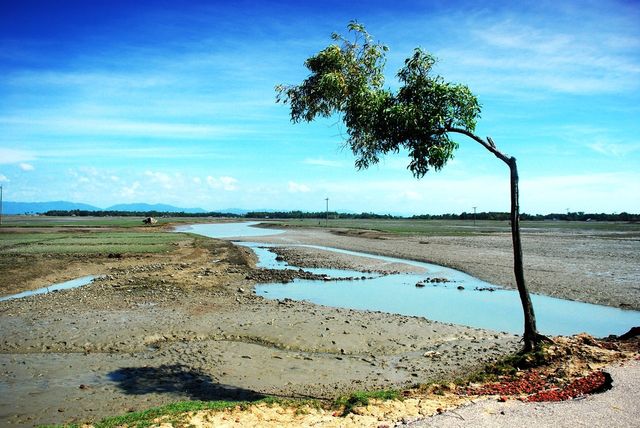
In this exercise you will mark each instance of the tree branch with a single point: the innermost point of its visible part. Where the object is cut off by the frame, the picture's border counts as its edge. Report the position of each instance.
(488, 144)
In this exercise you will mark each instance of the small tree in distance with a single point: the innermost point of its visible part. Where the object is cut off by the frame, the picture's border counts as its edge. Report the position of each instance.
(347, 79)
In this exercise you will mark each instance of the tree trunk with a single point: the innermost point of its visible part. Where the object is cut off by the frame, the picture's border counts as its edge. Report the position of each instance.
(531, 336)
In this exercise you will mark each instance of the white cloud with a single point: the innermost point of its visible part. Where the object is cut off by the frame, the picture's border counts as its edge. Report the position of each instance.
(514, 55)
(614, 149)
(102, 127)
(411, 195)
(223, 182)
(26, 166)
(605, 141)
(9, 156)
(130, 191)
(161, 178)
(297, 187)
(594, 192)
(323, 162)
(86, 79)
(3, 178)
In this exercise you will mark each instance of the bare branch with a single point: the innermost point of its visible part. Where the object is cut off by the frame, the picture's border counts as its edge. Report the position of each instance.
(489, 144)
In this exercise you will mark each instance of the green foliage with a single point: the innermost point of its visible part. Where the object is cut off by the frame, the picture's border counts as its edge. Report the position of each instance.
(361, 398)
(348, 80)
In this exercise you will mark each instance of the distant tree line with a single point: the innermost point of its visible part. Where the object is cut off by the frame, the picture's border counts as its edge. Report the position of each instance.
(570, 216)
(315, 215)
(500, 216)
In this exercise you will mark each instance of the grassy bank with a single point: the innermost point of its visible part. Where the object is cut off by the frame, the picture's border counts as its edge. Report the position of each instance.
(30, 254)
(20, 221)
(56, 243)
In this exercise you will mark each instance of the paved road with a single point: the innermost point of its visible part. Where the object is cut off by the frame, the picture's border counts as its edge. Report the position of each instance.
(618, 407)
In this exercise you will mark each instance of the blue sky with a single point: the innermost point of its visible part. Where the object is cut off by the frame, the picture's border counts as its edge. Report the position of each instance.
(107, 102)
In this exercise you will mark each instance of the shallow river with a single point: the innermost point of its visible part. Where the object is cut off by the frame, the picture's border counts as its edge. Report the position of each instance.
(463, 300)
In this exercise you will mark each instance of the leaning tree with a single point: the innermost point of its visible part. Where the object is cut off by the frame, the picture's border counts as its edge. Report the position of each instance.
(346, 78)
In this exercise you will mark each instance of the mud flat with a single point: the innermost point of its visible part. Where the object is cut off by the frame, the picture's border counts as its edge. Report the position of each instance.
(596, 267)
(186, 325)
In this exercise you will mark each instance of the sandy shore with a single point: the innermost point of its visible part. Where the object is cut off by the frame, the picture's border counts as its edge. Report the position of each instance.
(188, 326)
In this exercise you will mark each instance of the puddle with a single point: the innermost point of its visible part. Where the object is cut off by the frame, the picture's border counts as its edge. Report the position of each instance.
(267, 260)
(74, 283)
(228, 230)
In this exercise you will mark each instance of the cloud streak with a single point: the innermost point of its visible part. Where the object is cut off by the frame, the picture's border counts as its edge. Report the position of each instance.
(119, 127)
(294, 187)
(229, 184)
(323, 162)
(14, 156)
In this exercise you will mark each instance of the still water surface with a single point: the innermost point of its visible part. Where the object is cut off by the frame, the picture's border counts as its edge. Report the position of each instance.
(228, 230)
(496, 310)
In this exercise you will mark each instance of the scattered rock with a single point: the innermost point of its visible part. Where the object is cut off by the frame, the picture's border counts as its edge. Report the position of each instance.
(149, 220)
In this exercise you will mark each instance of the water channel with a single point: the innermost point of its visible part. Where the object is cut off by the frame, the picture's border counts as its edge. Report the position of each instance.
(74, 283)
(463, 300)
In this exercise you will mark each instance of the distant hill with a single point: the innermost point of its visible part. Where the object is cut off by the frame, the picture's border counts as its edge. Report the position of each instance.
(153, 207)
(14, 208)
(236, 211)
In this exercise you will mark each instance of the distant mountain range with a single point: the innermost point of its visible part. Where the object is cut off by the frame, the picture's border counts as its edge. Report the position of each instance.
(18, 208)
(153, 207)
(42, 207)
(13, 208)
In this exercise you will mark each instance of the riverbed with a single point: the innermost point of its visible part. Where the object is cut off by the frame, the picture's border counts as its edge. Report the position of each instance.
(186, 325)
(438, 293)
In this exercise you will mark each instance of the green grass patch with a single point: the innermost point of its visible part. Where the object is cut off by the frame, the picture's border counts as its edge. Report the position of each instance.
(146, 418)
(13, 221)
(175, 412)
(507, 366)
(94, 242)
(362, 398)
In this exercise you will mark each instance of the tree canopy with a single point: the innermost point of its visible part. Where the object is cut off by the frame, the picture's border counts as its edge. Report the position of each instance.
(347, 79)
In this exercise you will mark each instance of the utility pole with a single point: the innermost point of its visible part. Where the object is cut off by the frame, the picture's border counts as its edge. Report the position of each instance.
(326, 222)
(474, 215)
(0, 204)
